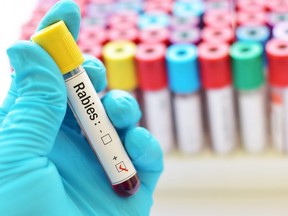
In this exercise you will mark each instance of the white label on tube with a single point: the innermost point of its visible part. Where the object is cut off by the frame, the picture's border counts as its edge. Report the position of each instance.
(99, 131)
(285, 126)
(222, 119)
(158, 116)
(252, 110)
(277, 119)
(189, 125)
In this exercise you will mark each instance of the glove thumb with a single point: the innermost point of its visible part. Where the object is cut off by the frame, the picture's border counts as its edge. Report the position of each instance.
(30, 127)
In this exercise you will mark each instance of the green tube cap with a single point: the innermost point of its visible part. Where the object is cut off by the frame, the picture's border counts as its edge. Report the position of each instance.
(247, 65)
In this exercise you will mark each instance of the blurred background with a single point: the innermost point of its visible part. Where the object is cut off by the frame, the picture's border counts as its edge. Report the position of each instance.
(211, 78)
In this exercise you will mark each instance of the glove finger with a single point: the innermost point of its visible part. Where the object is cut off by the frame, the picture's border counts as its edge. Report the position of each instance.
(9, 100)
(146, 155)
(66, 10)
(97, 74)
(31, 126)
(122, 109)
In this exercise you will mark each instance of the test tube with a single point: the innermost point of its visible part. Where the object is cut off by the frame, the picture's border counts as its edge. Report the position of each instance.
(118, 34)
(218, 19)
(97, 22)
(280, 31)
(152, 76)
(119, 61)
(251, 6)
(222, 5)
(91, 49)
(277, 53)
(128, 6)
(217, 35)
(153, 19)
(277, 5)
(96, 9)
(185, 84)
(157, 6)
(253, 33)
(124, 20)
(248, 76)
(195, 8)
(88, 109)
(273, 18)
(216, 79)
(185, 36)
(251, 18)
(184, 22)
(154, 34)
(93, 35)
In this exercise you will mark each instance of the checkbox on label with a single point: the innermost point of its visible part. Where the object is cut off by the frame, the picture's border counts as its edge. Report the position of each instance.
(121, 167)
(106, 139)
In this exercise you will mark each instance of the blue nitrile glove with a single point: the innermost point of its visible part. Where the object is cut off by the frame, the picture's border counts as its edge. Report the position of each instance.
(46, 165)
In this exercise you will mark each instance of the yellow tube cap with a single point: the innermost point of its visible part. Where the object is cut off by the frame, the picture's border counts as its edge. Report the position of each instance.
(60, 45)
(119, 62)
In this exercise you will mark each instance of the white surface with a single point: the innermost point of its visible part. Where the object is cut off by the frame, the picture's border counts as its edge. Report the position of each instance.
(221, 121)
(189, 122)
(253, 122)
(158, 117)
(13, 14)
(231, 185)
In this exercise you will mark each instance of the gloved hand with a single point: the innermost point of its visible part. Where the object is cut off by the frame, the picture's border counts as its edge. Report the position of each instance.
(46, 165)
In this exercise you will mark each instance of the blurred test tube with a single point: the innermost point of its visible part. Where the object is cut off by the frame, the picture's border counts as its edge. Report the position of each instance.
(152, 76)
(249, 81)
(119, 61)
(215, 72)
(185, 84)
(277, 53)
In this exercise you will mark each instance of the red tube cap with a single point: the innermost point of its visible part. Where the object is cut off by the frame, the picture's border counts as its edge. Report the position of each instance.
(253, 6)
(215, 35)
(158, 6)
(95, 35)
(91, 49)
(151, 66)
(277, 54)
(218, 19)
(277, 5)
(123, 20)
(123, 34)
(154, 34)
(250, 18)
(215, 67)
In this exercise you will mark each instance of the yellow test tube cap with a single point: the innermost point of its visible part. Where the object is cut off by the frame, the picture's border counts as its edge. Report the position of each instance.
(57, 40)
(119, 61)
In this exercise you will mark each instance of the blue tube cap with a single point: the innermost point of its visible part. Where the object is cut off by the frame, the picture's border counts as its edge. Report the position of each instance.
(195, 8)
(153, 19)
(182, 68)
(260, 34)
